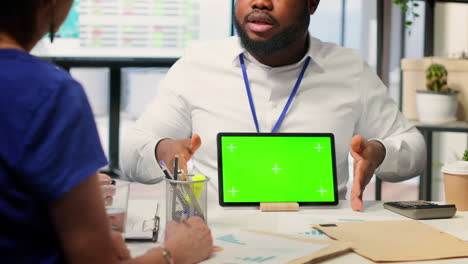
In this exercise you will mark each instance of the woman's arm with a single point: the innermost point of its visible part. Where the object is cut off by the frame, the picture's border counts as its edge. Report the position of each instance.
(83, 229)
(81, 223)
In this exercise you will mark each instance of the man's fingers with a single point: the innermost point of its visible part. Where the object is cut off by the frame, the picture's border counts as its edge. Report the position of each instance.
(356, 203)
(358, 187)
(357, 190)
(183, 164)
(357, 144)
(195, 143)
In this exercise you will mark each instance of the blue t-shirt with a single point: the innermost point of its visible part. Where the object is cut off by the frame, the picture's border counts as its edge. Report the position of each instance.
(48, 145)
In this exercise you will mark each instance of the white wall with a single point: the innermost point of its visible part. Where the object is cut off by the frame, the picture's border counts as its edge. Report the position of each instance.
(451, 29)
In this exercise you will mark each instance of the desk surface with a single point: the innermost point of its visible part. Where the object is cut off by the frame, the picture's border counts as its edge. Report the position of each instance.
(289, 223)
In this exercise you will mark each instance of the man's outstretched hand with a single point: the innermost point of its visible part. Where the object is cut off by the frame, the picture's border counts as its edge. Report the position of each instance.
(368, 155)
(167, 149)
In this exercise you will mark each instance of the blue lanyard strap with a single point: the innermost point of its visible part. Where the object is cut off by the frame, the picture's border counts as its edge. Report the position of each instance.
(288, 104)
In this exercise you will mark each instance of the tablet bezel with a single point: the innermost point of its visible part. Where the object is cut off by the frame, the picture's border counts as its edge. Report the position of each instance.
(249, 134)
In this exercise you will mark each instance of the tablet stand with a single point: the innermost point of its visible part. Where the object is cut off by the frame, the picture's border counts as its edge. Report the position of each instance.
(278, 207)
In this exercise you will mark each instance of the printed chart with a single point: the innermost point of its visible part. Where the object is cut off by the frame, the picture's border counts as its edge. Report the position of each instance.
(239, 247)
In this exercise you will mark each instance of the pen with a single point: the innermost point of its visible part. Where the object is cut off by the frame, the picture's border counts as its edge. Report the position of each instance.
(163, 166)
(176, 167)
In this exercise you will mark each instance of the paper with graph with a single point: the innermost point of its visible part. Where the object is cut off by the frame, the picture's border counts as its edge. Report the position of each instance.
(241, 247)
(302, 227)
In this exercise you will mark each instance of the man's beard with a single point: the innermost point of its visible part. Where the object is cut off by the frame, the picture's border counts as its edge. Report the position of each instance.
(278, 42)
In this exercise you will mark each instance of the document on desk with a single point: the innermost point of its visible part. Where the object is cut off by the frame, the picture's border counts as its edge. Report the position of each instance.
(247, 246)
(302, 227)
(395, 241)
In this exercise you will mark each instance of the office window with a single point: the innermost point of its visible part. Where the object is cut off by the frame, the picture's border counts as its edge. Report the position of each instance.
(326, 23)
(414, 35)
(95, 82)
(351, 24)
(139, 87)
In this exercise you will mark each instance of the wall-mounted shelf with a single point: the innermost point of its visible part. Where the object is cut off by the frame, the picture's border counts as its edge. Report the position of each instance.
(425, 181)
(425, 185)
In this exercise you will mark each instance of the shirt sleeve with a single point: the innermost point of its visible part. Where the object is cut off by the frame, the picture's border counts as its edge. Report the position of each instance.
(168, 116)
(381, 120)
(61, 146)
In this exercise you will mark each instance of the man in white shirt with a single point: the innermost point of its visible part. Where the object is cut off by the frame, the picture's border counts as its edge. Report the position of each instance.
(207, 91)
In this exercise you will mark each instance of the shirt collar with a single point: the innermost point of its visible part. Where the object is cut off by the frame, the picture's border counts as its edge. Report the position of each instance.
(313, 52)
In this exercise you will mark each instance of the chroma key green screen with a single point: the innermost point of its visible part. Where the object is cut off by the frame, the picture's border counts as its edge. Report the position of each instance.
(265, 167)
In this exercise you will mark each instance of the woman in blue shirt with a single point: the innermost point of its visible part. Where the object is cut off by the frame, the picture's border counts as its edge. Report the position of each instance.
(51, 210)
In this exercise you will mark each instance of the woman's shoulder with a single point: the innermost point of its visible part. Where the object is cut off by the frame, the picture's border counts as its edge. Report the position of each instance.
(27, 81)
(20, 67)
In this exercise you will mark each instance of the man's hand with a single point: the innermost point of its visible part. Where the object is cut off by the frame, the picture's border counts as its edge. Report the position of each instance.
(368, 155)
(184, 148)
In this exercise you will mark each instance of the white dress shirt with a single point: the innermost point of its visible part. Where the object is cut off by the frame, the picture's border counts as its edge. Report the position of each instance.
(204, 93)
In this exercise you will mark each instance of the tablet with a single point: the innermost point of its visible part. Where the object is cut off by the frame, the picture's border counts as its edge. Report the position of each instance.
(276, 167)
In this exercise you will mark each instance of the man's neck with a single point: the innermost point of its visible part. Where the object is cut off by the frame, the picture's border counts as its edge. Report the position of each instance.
(290, 55)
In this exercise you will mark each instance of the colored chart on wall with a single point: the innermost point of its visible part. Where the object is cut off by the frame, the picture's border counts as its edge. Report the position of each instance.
(137, 28)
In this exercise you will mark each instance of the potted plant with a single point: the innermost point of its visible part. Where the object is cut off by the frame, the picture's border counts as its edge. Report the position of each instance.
(437, 104)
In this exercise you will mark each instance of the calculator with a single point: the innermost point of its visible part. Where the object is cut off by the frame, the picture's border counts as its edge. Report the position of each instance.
(421, 209)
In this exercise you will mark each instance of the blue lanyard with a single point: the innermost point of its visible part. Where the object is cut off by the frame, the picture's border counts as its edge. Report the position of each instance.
(288, 104)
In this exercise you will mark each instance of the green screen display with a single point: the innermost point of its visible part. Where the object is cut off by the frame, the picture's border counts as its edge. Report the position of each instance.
(277, 169)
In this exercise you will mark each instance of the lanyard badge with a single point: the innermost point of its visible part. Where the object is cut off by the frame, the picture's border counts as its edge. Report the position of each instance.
(288, 104)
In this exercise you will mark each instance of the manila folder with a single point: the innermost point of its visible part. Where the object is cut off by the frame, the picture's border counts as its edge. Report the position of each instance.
(392, 241)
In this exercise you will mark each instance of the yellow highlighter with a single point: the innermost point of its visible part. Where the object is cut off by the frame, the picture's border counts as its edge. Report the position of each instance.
(193, 193)
(197, 187)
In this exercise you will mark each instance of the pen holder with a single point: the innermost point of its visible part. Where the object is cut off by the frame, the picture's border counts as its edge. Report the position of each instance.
(186, 198)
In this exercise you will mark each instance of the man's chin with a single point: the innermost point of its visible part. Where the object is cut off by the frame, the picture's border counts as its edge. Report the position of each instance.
(260, 36)
(259, 39)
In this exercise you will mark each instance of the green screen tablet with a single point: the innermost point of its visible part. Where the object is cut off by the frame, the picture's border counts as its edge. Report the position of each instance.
(276, 167)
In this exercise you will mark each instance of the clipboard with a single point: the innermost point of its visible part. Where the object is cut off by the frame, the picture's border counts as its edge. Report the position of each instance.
(395, 241)
(141, 230)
